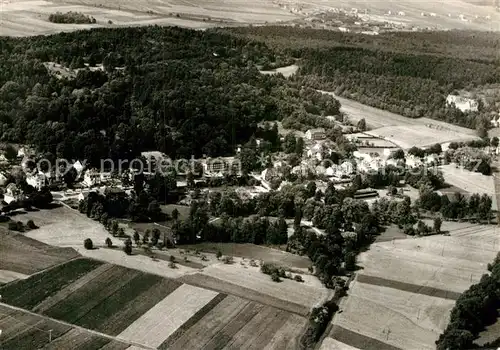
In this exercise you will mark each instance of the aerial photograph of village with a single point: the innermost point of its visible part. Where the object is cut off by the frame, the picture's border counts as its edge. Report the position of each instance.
(226, 174)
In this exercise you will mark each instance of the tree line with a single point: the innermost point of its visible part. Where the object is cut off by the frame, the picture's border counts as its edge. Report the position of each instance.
(475, 309)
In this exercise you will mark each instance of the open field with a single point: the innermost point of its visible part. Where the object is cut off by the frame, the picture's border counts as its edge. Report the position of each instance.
(252, 251)
(403, 294)
(332, 344)
(30, 17)
(20, 255)
(243, 292)
(64, 227)
(287, 71)
(406, 136)
(300, 296)
(23, 331)
(470, 182)
(7, 276)
(412, 319)
(402, 131)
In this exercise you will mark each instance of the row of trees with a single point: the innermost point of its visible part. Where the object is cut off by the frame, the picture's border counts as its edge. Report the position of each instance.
(475, 208)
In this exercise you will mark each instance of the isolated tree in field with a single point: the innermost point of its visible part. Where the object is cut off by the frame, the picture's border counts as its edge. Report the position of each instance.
(145, 237)
(88, 244)
(114, 228)
(175, 214)
(437, 224)
(108, 242)
(127, 248)
(275, 277)
(362, 125)
(31, 225)
(137, 238)
(155, 236)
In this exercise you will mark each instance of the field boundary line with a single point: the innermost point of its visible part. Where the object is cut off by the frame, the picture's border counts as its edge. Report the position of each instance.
(262, 299)
(107, 336)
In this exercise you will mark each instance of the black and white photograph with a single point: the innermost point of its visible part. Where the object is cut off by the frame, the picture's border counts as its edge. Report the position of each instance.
(254, 175)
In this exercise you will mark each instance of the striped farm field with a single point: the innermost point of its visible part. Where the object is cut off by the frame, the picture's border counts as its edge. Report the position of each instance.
(90, 294)
(149, 311)
(168, 315)
(23, 331)
(403, 295)
(29, 292)
(236, 323)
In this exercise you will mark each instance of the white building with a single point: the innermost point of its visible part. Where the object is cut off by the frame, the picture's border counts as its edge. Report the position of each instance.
(78, 166)
(106, 176)
(462, 103)
(431, 159)
(3, 179)
(38, 180)
(495, 123)
(316, 134)
(413, 162)
(92, 178)
(12, 194)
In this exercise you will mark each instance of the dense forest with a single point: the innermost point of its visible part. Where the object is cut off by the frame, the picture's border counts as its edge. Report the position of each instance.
(405, 73)
(187, 92)
(180, 91)
(474, 310)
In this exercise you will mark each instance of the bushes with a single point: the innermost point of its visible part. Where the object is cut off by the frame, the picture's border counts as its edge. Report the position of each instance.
(278, 272)
(31, 225)
(71, 17)
(318, 321)
(16, 226)
(228, 260)
(88, 244)
(298, 278)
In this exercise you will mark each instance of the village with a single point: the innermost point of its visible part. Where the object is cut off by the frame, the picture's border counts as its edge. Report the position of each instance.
(371, 151)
